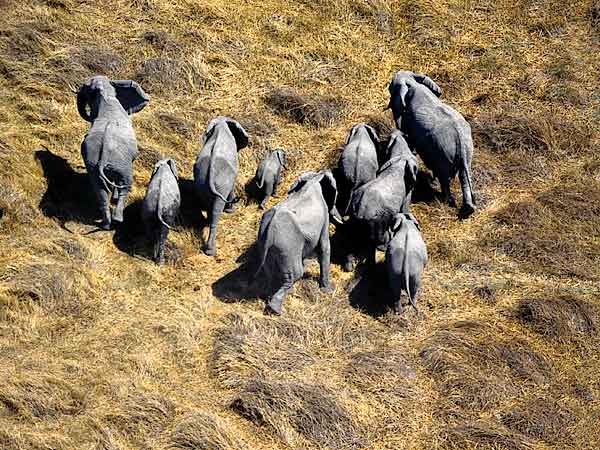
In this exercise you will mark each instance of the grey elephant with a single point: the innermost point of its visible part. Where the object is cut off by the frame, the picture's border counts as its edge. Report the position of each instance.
(405, 258)
(216, 169)
(358, 163)
(439, 133)
(161, 205)
(295, 229)
(374, 205)
(268, 175)
(110, 146)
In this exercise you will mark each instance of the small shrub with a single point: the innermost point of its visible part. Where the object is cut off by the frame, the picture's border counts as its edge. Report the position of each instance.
(203, 431)
(312, 411)
(176, 124)
(484, 436)
(562, 319)
(166, 75)
(160, 40)
(315, 110)
(148, 157)
(97, 60)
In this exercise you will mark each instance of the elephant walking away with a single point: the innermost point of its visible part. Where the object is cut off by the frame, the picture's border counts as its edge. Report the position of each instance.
(292, 231)
(268, 175)
(110, 146)
(439, 134)
(215, 171)
(161, 205)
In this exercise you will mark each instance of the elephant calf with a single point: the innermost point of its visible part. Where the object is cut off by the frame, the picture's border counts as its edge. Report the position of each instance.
(439, 133)
(216, 169)
(295, 229)
(268, 175)
(405, 258)
(110, 146)
(161, 205)
(374, 205)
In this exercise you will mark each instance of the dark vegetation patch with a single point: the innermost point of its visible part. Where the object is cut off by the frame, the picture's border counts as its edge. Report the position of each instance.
(476, 369)
(75, 66)
(148, 157)
(166, 75)
(203, 431)
(313, 110)
(552, 233)
(26, 41)
(383, 125)
(160, 40)
(312, 411)
(541, 419)
(377, 12)
(486, 293)
(97, 60)
(594, 15)
(563, 319)
(37, 395)
(176, 124)
(484, 436)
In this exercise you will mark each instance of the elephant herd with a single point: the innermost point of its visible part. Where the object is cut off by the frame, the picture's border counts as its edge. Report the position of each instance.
(368, 195)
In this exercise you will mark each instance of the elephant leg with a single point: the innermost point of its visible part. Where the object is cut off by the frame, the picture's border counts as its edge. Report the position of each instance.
(468, 206)
(104, 200)
(447, 196)
(407, 203)
(396, 294)
(275, 303)
(159, 252)
(230, 206)
(415, 284)
(349, 262)
(118, 211)
(264, 201)
(324, 253)
(213, 217)
(115, 196)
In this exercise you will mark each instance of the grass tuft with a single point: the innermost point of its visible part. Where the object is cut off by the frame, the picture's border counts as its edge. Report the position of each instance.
(311, 110)
(203, 431)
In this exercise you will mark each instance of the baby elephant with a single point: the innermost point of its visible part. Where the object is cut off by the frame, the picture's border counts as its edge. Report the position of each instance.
(216, 170)
(405, 258)
(161, 205)
(295, 229)
(268, 175)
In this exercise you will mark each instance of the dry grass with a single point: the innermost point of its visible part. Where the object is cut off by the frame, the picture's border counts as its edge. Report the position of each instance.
(100, 349)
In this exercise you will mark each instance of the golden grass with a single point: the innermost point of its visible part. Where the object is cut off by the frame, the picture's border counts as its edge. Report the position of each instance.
(101, 349)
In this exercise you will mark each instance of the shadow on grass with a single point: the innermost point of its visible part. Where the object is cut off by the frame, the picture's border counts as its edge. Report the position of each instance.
(69, 195)
(370, 293)
(239, 284)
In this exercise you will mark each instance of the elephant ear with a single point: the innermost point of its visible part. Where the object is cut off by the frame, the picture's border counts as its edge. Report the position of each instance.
(329, 188)
(131, 95)
(240, 135)
(282, 158)
(410, 175)
(173, 167)
(373, 135)
(351, 133)
(398, 220)
(301, 181)
(413, 219)
(426, 81)
(83, 100)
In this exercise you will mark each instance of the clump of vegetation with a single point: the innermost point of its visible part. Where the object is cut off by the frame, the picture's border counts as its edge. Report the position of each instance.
(203, 431)
(312, 110)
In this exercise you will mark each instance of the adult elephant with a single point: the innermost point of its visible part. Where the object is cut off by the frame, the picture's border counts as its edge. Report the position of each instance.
(295, 229)
(439, 134)
(215, 171)
(110, 146)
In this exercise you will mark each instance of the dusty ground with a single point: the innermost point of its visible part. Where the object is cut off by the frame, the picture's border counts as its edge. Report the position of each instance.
(101, 349)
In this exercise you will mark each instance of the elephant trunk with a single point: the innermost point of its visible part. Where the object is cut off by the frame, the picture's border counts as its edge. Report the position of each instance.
(82, 102)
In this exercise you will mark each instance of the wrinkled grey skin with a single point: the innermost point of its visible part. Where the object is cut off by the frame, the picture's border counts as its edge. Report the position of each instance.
(358, 163)
(374, 205)
(439, 133)
(268, 175)
(295, 229)
(216, 170)
(110, 147)
(161, 205)
(405, 258)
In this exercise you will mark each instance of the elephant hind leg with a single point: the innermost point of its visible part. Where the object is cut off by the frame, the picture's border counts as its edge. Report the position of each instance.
(159, 244)
(104, 200)
(275, 303)
(447, 195)
(468, 205)
(214, 215)
(117, 215)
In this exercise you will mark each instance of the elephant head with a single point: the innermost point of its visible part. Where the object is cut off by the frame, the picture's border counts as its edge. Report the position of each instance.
(399, 220)
(129, 94)
(238, 132)
(328, 190)
(170, 163)
(405, 80)
(281, 157)
(369, 129)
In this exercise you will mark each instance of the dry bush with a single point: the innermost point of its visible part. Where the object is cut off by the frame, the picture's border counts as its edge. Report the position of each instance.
(594, 15)
(563, 319)
(26, 41)
(175, 124)
(312, 411)
(484, 436)
(541, 419)
(15, 206)
(148, 157)
(312, 110)
(160, 40)
(203, 431)
(164, 76)
(475, 368)
(37, 395)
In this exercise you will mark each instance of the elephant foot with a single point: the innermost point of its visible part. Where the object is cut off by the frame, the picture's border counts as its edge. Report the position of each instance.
(328, 288)
(451, 201)
(105, 225)
(271, 311)
(210, 251)
(229, 209)
(262, 206)
(398, 309)
(348, 265)
(466, 211)
(117, 217)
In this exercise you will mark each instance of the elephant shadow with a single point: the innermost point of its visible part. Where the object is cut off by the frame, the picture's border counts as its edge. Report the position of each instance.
(424, 191)
(130, 236)
(69, 195)
(252, 191)
(370, 292)
(190, 210)
(237, 285)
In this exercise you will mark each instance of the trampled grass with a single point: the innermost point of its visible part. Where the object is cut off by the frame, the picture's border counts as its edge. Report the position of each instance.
(101, 349)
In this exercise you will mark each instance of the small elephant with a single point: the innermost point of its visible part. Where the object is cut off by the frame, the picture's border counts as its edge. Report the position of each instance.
(358, 163)
(295, 229)
(110, 146)
(439, 133)
(216, 169)
(268, 175)
(405, 258)
(374, 205)
(161, 205)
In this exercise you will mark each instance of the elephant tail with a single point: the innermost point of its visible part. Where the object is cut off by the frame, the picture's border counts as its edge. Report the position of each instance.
(108, 184)
(211, 182)
(407, 275)
(268, 218)
(260, 176)
(159, 205)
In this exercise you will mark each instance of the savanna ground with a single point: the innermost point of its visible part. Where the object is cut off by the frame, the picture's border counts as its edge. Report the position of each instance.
(101, 349)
